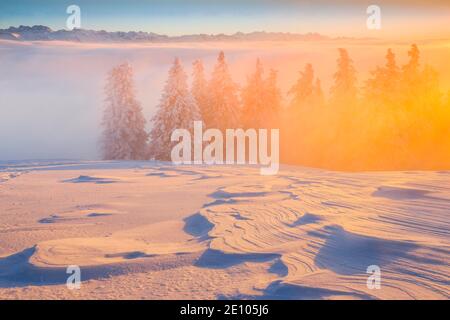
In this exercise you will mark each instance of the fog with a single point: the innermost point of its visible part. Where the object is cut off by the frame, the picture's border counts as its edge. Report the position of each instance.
(51, 94)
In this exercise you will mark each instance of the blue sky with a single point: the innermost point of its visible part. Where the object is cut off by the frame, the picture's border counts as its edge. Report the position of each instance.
(174, 17)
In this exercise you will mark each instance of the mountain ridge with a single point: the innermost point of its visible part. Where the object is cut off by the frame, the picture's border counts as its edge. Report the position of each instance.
(44, 33)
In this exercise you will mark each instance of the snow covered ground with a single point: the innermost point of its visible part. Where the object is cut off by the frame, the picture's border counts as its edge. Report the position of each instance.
(146, 230)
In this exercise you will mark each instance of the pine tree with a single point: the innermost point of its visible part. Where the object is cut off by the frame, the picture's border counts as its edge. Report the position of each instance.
(382, 88)
(303, 90)
(344, 135)
(410, 78)
(261, 99)
(301, 119)
(411, 69)
(344, 91)
(391, 66)
(124, 136)
(420, 86)
(223, 109)
(272, 98)
(200, 87)
(384, 108)
(176, 110)
(253, 103)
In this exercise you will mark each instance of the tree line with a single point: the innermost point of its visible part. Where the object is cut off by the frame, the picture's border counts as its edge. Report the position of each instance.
(397, 119)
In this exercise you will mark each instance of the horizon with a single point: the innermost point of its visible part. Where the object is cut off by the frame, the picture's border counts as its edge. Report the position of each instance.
(182, 35)
(426, 19)
(324, 36)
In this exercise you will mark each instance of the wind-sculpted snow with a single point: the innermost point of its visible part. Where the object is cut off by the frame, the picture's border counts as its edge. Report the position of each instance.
(8, 176)
(89, 179)
(227, 232)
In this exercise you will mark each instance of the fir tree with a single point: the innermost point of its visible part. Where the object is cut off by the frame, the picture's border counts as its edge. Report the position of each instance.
(124, 136)
(261, 99)
(223, 109)
(344, 91)
(253, 99)
(272, 98)
(411, 69)
(176, 110)
(382, 88)
(303, 90)
(391, 66)
(200, 87)
(307, 92)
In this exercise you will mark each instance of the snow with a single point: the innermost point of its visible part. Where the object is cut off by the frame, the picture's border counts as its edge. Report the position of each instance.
(177, 110)
(207, 232)
(124, 136)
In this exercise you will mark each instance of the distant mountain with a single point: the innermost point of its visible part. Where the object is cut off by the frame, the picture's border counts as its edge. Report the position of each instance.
(43, 33)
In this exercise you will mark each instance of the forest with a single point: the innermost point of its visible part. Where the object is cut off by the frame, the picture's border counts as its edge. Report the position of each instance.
(398, 119)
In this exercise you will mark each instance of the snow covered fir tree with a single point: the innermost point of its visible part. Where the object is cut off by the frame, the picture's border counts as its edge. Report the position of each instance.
(200, 87)
(224, 106)
(261, 99)
(176, 110)
(124, 136)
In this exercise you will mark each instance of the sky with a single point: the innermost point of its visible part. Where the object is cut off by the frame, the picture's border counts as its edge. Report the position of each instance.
(176, 17)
